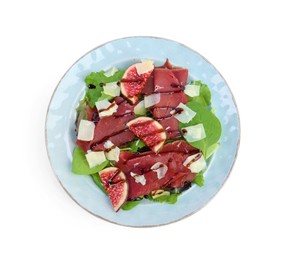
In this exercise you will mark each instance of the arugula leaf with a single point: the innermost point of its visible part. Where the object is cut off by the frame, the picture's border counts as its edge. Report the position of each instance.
(211, 124)
(105, 96)
(81, 166)
(97, 181)
(172, 199)
(96, 94)
(95, 78)
(204, 97)
(136, 145)
(131, 204)
(93, 95)
(199, 179)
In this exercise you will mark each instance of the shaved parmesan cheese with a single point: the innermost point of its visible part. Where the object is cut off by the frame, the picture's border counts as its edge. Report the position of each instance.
(112, 89)
(196, 163)
(106, 108)
(86, 130)
(161, 169)
(108, 144)
(188, 160)
(152, 99)
(158, 193)
(112, 152)
(138, 178)
(95, 158)
(144, 67)
(192, 90)
(194, 133)
(140, 109)
(110, 72)
(183, 113)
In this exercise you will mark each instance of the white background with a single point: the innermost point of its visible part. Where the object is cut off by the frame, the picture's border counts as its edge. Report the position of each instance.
(41, 39)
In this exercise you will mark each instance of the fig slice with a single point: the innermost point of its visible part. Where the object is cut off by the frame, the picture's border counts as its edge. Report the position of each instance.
(134, 80)
(149, 131)
(116, 186)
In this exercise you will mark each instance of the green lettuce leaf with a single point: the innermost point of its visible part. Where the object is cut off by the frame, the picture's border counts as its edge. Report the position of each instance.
(204, 97)
(131, 204)
(81, 166)
(199, 179)
(211, 124)
(172, 199)
(97, 181)
(211, 150)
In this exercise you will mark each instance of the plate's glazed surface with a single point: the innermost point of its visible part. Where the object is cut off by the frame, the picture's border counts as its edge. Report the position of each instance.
(60, 129)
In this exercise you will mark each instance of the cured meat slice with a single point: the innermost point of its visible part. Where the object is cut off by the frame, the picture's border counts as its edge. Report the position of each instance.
(181, 75)
(171, 99)
(123, 107)
(173, 155)
(165, 81)
(110, 125)
(119, 139)
(142, 166)
(169, 77)
(161, 112)
(179, 146)
(170, 124)
(149, 87)
(111, 128)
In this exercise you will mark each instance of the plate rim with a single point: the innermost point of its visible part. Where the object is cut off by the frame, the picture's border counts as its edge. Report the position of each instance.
(155, 225)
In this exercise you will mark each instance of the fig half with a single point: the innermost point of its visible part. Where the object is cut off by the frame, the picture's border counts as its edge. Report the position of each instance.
(116, 186)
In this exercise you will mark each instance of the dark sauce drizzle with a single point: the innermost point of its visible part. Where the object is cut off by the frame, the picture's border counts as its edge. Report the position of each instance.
(109, 107)
(91, 86)
(138, 80)
(111, 181)
(194, 160)
(177, 110)
(107, 137)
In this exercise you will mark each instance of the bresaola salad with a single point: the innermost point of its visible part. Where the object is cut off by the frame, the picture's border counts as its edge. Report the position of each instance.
(145, 133)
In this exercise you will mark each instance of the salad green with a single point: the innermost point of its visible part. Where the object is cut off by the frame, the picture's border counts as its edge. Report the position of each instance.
(131, 204)
(204, 97)
(97, 79)
(211, 125)
(98, 182)
(199, 179)
(170, 198)
(81, 166)
(136, 145)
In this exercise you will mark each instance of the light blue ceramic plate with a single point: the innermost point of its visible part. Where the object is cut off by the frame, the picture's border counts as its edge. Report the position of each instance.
(60, 131)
